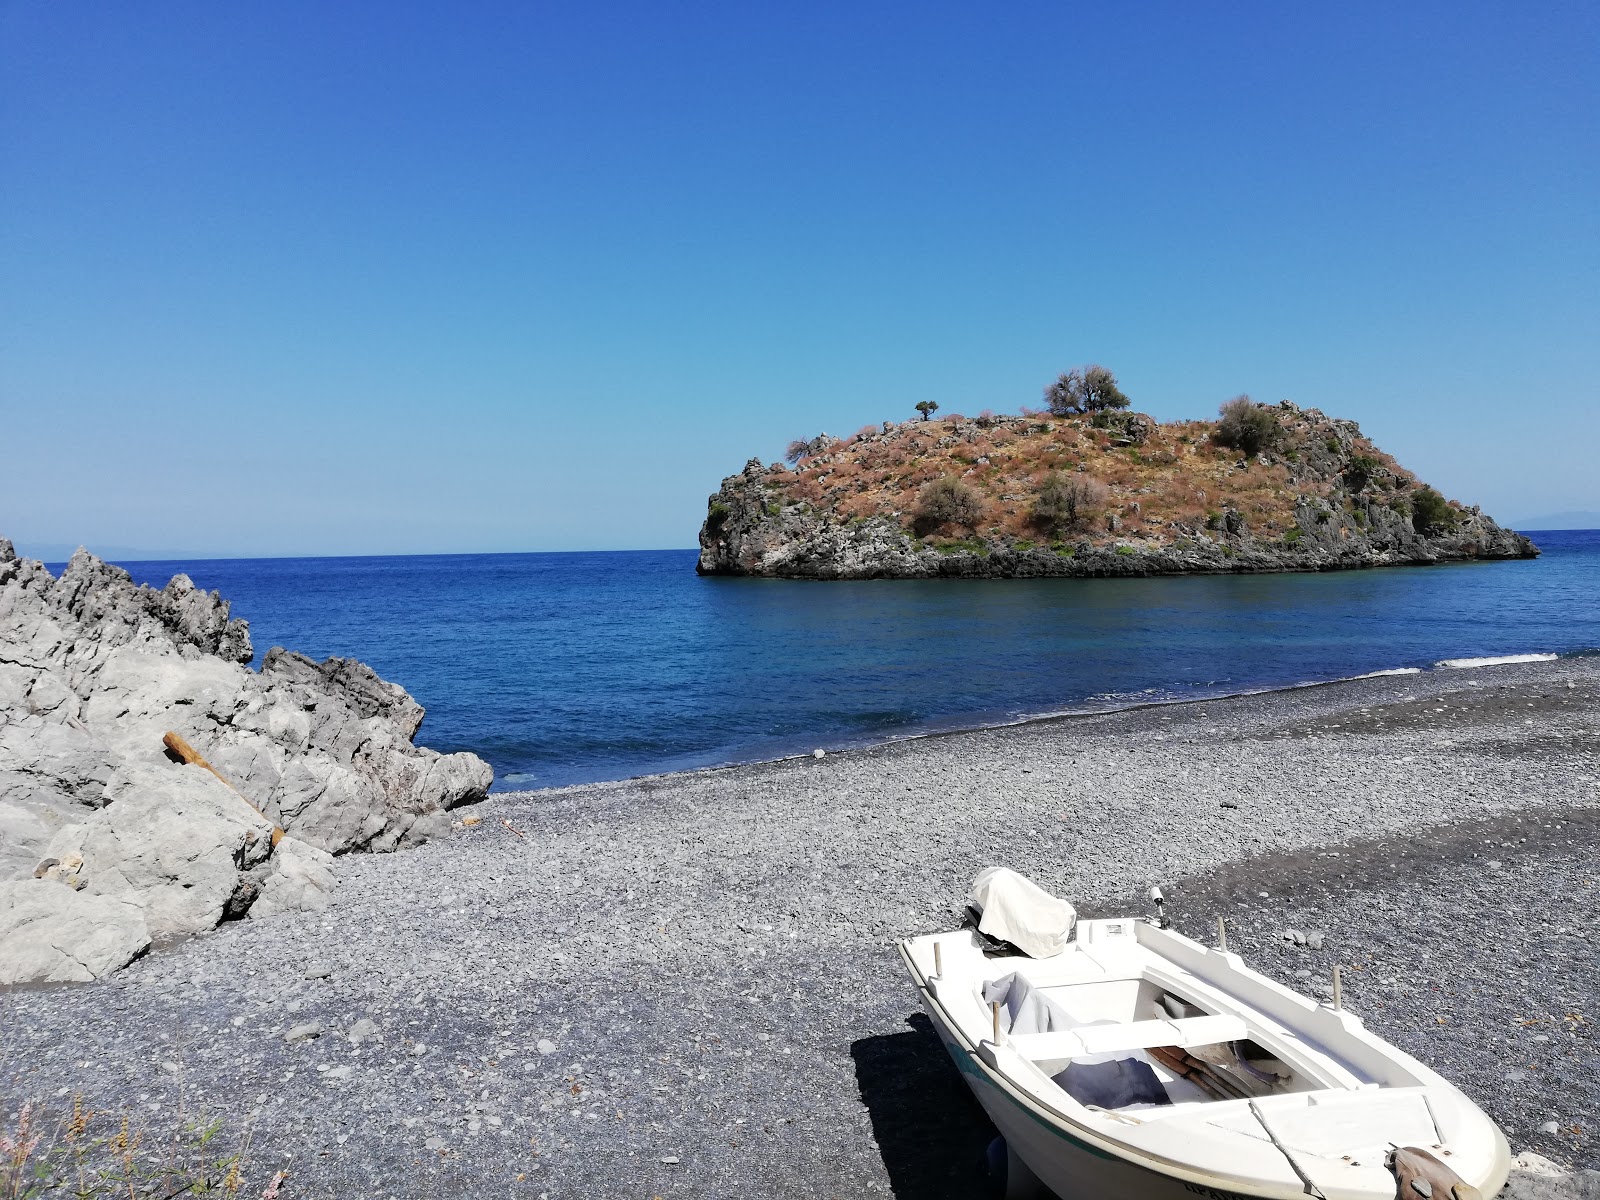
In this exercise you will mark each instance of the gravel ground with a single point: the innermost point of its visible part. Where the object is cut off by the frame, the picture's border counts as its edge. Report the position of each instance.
(686, 986)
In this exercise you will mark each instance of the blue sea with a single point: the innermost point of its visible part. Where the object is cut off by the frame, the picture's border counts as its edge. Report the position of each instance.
(571, 668)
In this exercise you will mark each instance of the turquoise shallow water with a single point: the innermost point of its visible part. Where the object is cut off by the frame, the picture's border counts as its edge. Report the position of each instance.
(567, 668)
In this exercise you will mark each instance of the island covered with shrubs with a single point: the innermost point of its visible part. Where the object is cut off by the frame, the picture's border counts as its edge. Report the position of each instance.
(1086, 486)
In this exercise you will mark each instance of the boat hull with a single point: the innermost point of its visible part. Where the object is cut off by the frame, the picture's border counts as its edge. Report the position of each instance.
(1363, 1092)
(1072, 1168)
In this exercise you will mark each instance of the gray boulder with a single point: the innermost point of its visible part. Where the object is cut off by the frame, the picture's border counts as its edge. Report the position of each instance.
(300, 879)
(96, 670)
(53, 933)
(173, 839)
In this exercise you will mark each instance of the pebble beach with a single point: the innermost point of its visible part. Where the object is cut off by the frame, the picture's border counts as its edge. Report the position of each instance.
(686, 985)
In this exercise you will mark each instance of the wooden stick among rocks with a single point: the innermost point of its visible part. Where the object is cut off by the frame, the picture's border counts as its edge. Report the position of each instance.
(187, 753)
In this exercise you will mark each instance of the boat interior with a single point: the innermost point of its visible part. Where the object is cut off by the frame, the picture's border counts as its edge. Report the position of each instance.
(1190, 1053)
(1122, 1030)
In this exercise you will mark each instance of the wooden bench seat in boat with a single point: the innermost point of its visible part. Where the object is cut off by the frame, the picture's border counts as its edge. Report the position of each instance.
(1129, 1035)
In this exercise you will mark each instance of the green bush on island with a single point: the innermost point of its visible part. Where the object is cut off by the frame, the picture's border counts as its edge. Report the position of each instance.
(1068, 501)
(1431, 513)
(1360, 471)
(947, 501)
(1248, 427)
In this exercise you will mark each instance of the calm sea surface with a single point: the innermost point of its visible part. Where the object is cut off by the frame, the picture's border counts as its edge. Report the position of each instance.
(567, 668)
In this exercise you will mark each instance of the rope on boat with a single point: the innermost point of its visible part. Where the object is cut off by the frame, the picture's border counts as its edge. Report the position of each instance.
(1311, 1188)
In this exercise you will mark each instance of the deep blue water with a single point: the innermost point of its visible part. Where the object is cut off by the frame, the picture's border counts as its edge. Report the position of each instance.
(563, 668)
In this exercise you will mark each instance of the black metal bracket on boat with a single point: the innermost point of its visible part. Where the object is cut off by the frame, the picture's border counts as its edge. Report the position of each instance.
(1160, 919)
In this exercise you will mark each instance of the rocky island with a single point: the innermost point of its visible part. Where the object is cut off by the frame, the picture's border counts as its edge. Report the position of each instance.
(152, 785)
(1087, 488)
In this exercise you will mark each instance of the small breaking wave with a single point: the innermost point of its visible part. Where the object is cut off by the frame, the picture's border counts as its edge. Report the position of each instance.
(1391, 671)
(1495, 660)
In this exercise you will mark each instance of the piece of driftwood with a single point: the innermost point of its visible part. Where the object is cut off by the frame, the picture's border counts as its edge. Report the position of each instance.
(513, 829)
(187, 753)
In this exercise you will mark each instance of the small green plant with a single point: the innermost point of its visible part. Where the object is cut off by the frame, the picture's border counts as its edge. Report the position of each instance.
(1024, 545)
(1293, 536)
(1062, 550)
(716, 515)
(83, 1164)
(1126, 550)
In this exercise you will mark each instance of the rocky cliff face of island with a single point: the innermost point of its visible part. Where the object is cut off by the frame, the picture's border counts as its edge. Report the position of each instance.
(1111, 493)
(111, 834)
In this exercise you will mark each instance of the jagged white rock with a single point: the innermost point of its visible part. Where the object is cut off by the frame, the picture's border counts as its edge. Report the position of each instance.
(94, 670)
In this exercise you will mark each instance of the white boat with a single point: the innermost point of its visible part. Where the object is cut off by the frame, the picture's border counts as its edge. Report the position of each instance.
(1262, 1091)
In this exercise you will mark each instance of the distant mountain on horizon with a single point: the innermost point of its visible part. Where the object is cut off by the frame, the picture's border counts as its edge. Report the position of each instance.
(1561, 520)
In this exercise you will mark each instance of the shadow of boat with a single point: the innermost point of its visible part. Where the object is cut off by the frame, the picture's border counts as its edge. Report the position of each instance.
(932, 1135)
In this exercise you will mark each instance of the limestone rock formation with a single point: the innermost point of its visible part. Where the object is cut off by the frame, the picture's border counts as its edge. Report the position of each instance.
(55, 934)
(107, 842)
(1174, 502)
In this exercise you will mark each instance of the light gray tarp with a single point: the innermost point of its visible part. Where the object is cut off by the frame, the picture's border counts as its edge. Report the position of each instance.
(1014, 909)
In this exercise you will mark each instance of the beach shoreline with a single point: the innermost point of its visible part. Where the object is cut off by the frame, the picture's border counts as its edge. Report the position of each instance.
(594, 980)
(961, 725)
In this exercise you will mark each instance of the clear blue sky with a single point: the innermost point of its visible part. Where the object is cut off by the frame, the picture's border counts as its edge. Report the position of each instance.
(380, 278)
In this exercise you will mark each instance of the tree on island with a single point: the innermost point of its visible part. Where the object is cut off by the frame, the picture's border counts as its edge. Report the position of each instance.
(927, 408)
(1247, 426)
(1084, 389)
(805, 448)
